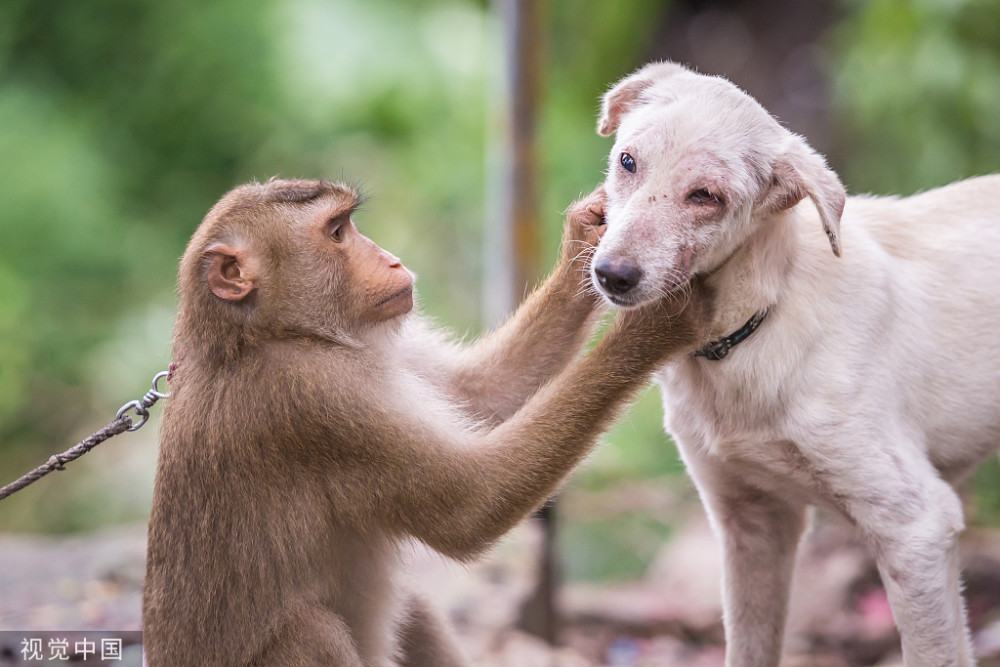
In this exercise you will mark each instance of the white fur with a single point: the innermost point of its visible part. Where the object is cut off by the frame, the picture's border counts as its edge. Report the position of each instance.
(872, 386)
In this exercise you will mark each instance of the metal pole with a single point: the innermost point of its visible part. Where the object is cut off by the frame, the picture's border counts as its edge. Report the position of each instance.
(513, 246)
(512, 236)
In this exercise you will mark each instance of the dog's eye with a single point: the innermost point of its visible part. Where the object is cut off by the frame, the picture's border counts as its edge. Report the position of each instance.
(628, 163)
(703, 196)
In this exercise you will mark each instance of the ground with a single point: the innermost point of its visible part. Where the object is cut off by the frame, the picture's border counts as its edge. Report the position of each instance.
(839, 616)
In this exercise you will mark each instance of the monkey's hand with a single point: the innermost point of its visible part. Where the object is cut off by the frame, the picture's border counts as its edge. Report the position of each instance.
(582, 232)
(677, 322)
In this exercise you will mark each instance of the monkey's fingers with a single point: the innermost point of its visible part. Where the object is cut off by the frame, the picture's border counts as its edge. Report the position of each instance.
(585, 218)
(597, 223)
(594, 208)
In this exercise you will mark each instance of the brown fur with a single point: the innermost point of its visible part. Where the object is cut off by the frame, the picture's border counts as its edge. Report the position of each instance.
(310, 433)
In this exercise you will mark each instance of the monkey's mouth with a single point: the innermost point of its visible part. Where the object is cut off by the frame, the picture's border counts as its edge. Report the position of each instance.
(406, 292)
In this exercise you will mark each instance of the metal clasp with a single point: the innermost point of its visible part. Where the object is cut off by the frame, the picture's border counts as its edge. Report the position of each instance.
(141, 406)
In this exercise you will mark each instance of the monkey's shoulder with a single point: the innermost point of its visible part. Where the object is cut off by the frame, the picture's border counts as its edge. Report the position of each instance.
(295, 402)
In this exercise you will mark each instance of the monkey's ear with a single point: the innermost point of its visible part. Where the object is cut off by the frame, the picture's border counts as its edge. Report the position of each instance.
(228, 272)
(625, 95)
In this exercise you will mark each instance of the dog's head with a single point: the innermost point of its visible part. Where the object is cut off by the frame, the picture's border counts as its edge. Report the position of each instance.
(697, 164)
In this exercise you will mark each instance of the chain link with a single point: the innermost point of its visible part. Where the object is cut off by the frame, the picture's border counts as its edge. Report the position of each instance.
(123, 422)
(142, 405)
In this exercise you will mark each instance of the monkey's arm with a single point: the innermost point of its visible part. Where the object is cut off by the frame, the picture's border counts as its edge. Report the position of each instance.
(496, 375)
(459, 490)
(427, 640)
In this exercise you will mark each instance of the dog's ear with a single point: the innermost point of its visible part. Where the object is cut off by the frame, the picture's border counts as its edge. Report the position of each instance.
(626, 94)
(801, 172)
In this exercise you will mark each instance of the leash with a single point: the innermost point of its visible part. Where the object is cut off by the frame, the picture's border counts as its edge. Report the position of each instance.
(121, 423)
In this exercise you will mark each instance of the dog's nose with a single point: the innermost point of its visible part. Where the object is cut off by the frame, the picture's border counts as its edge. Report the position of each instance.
(617, 276)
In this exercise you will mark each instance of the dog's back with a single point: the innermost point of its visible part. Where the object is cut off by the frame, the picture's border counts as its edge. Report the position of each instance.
(942, 252)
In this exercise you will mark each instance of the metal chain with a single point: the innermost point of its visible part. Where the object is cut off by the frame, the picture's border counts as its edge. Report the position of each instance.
(122, 422)
(143, 405)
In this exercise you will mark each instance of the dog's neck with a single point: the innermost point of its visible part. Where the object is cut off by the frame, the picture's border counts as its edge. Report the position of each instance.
(752, 278)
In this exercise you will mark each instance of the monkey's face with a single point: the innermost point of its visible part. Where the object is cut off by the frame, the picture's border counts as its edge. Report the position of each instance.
(285, 256)
(377, 283)
(364, 283)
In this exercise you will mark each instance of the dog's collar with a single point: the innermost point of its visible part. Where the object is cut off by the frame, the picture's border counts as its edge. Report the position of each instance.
(719, 348)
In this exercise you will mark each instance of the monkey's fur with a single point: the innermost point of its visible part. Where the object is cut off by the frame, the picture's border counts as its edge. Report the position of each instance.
(314, 426)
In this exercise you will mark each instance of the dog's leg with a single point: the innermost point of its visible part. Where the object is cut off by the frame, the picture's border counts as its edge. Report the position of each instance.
(759, 534)
(912, 519)
(917, 557)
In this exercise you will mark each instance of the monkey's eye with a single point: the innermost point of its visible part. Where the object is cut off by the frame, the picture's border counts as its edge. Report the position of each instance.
(337, 231)
(628, 163)
(702, 196)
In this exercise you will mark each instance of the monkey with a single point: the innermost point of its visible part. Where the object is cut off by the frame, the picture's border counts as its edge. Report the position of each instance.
(317, 425)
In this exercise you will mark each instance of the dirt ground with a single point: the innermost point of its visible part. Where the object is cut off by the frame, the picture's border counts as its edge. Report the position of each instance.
(671, 617)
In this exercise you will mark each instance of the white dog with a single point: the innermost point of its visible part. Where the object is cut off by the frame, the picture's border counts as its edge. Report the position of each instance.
(868, 384)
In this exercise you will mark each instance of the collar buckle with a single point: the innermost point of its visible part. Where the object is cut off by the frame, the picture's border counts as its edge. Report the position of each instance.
(717, 350)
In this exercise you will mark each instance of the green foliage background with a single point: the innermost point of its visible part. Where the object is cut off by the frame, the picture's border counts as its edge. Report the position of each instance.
(122, 121)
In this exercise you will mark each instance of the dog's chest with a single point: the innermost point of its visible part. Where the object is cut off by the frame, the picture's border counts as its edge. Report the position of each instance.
(735, 421)
(720, 408)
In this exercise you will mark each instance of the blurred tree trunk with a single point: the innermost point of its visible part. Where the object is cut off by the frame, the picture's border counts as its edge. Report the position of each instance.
(774, 50)
(512, 234)
(513, 244)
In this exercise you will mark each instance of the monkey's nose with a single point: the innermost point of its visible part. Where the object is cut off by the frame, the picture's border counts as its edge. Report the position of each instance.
(617, 276)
